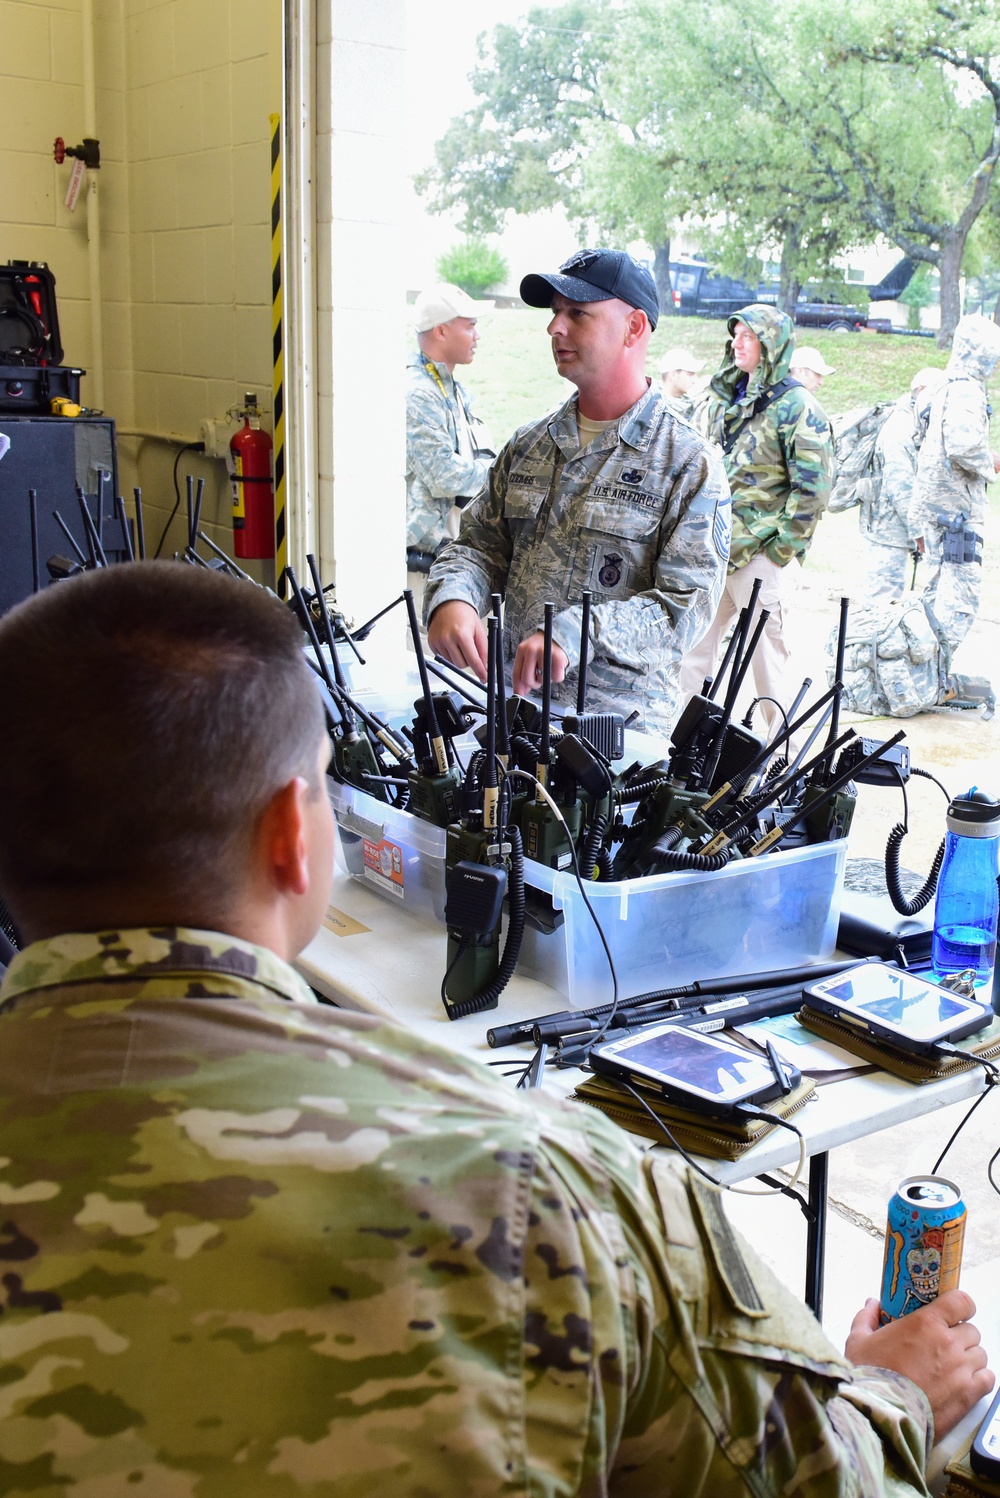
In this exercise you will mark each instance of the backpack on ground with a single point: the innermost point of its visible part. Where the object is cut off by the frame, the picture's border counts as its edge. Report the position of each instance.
(897, 664)
(857, 475)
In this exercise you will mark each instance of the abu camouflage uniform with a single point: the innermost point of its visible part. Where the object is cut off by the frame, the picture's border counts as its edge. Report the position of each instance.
(259, 1247)
(780, 465)
(953, 469)
(884, 518)
(640, 515)
(893, 661)
(442, 440)
(680, 405)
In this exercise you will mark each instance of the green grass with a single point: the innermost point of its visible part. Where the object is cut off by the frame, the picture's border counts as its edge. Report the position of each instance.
(514, 380)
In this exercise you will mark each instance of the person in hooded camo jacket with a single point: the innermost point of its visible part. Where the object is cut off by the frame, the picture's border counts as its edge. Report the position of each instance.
(778, 453)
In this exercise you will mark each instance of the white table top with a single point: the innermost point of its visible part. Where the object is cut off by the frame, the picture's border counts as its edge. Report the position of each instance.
(374, 957)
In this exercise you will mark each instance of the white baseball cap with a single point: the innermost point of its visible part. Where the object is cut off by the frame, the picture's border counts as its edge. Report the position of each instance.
(808, 357)
(443, 302)
(680, 358)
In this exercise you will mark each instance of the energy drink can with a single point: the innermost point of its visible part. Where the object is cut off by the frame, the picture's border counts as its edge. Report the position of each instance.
(923, 1245)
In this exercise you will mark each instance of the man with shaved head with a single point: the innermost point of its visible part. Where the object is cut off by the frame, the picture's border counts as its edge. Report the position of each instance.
(609, 493)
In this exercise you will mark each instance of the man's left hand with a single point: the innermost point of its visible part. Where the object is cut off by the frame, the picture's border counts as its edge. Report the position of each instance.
(527, 674)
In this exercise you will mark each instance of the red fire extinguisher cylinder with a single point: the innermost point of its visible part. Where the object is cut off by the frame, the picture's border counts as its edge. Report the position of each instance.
(253, 494)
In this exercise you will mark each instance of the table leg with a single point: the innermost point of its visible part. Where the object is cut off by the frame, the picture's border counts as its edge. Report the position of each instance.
(816, 1233)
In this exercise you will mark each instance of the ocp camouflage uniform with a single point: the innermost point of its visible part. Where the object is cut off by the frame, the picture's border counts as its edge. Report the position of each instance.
(780, 466)
(259, 1247)
(640, 515)
(953, 469)
(442, 437)
(885, 505)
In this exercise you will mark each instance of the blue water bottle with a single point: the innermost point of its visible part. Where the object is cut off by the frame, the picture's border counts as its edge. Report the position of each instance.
(965, 911)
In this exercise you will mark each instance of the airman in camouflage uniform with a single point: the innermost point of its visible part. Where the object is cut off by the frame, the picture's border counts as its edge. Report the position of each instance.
(955, 464)
(448, 450)
(257, 1245)
(679, 371)
(884, 516)
(778, 453)
(254, 1245)
(638, 512)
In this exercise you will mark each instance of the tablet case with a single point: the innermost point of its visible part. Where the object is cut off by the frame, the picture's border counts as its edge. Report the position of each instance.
(720, 1139)
(913, 1068)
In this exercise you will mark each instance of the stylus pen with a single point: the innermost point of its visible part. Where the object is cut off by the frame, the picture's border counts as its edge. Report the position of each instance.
(711, 1014)
(672, 999)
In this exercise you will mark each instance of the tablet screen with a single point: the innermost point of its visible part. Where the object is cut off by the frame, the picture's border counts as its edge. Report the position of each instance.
(695, 1063)
(900, 1000)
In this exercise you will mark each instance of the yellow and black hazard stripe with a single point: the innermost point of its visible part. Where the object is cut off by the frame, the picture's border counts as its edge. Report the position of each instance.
(278, 358)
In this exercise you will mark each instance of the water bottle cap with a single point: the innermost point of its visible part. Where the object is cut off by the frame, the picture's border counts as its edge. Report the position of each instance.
(974, 815)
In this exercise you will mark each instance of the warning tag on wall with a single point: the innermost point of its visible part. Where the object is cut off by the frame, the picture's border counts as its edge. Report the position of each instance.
(384, 865)
(73, 187)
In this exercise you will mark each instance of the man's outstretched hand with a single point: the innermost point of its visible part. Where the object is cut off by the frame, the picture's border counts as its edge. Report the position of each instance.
(937, 1347)
(526, 678)
(456, 632)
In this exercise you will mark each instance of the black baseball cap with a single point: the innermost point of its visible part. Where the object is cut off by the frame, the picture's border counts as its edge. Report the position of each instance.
(596, 276)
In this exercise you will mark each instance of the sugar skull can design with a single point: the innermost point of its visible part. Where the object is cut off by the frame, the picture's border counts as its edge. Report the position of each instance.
(923, 1244)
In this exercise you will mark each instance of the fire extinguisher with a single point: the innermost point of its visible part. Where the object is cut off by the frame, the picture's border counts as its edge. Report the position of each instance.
(250, 478)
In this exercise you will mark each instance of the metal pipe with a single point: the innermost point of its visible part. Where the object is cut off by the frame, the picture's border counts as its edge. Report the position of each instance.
(96, 370)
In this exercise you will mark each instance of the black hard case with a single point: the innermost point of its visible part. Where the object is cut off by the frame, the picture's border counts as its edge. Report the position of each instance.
(31, 369)
(29, 322)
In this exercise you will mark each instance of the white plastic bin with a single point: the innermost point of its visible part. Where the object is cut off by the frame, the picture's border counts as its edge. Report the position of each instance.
(775, 911)
(398, 855)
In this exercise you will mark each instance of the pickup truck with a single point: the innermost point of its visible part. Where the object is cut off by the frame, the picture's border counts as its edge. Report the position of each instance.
(699, 292)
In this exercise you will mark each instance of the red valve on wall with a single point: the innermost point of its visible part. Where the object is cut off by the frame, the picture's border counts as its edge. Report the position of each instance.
(250, 476)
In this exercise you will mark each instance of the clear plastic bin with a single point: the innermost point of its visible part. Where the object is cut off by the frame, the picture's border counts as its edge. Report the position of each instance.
(779, 910)
(398, 855)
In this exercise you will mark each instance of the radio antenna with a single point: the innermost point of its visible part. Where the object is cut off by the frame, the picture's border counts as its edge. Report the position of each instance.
(140, 529)
(544, 741)
(502, 726)
(581, 683)
(33, 517)
(438, 748)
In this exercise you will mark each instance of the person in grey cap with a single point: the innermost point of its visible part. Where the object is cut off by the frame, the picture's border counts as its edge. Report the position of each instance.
(448, 449)
(608, 493)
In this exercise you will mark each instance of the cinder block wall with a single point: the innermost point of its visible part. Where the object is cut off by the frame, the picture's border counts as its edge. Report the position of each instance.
(41, 96)
(202, 80)
(184, 92)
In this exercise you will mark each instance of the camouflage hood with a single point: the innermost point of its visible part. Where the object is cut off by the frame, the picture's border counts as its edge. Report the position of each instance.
(975, 348)
(777, 336)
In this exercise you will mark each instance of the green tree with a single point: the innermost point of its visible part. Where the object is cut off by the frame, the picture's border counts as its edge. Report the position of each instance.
(520, 147)
(917, 294)
(798, 127)
(895, 106)
(541, 101)
(698, 138)
(473, 265)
